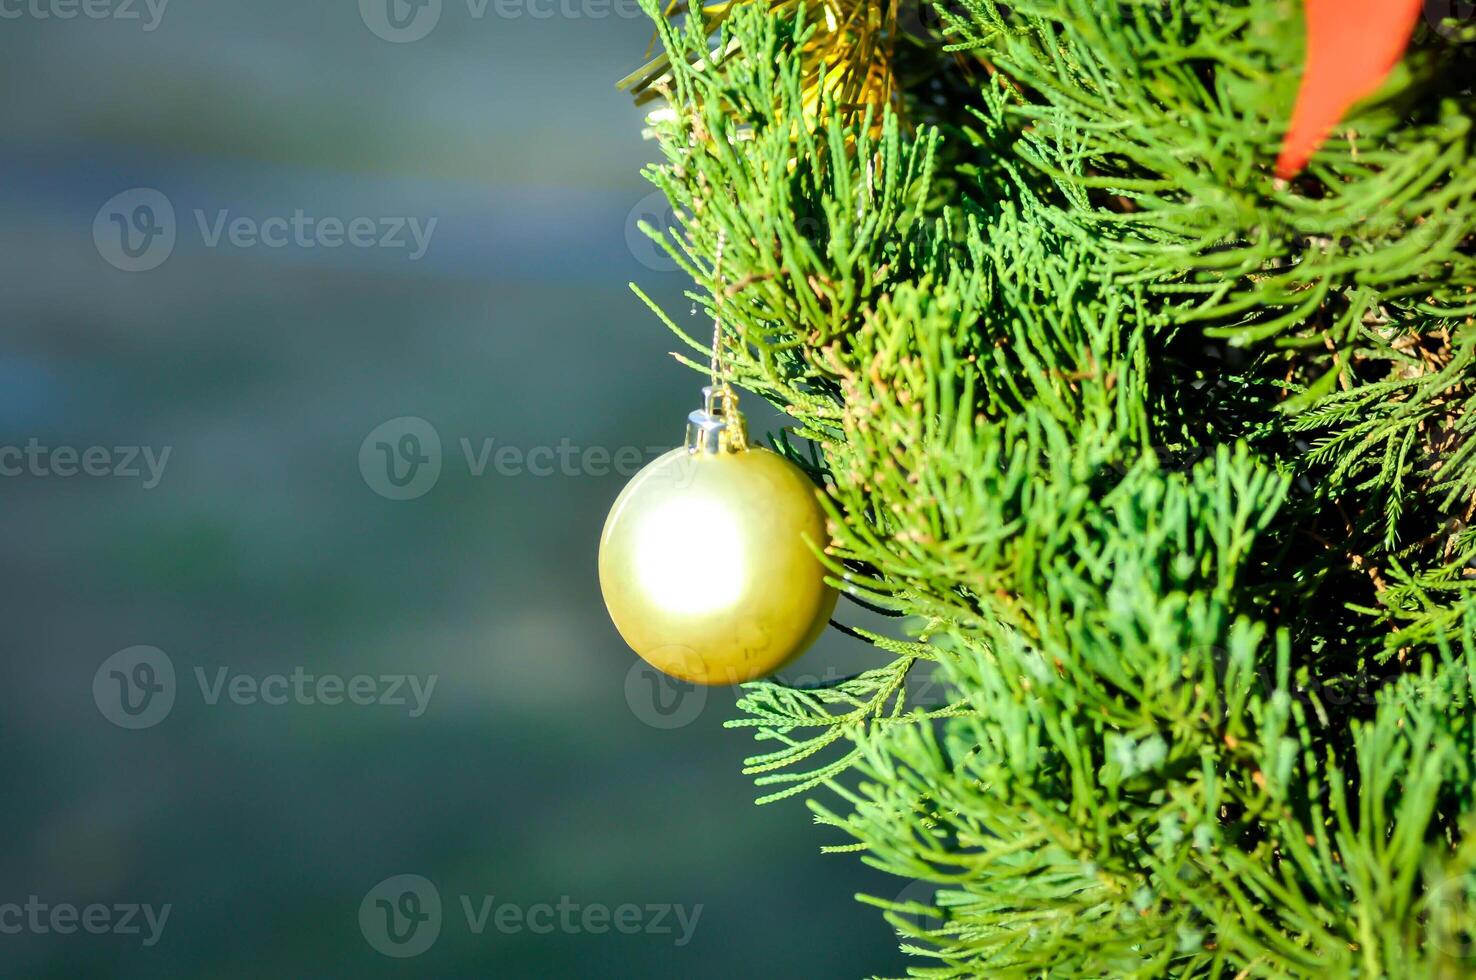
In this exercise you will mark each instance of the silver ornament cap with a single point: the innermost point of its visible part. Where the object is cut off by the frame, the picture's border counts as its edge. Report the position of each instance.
(717, 427)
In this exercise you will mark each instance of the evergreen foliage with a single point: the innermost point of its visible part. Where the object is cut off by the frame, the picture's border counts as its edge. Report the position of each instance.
(1162, 463)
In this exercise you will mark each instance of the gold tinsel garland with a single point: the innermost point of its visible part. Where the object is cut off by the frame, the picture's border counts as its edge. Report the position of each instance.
(847, 60)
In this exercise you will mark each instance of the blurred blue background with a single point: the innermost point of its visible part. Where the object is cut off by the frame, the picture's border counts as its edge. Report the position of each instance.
(544, 768)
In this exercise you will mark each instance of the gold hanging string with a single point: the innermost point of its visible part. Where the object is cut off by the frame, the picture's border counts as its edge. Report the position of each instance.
(847, 58)
(718, 381)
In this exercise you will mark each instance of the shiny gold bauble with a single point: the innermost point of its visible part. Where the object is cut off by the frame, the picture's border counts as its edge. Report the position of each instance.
(707, 560)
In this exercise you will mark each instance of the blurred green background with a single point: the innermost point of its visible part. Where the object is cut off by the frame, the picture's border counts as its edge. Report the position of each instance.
(543, 767)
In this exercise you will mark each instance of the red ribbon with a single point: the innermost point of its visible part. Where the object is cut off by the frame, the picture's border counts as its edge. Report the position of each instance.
(1352, 45)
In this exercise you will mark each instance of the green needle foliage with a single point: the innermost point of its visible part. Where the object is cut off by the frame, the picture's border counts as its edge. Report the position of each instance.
(1162, 464)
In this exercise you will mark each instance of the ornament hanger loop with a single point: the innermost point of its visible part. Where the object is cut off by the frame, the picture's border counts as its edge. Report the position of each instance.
(718, 379)
(717, 427)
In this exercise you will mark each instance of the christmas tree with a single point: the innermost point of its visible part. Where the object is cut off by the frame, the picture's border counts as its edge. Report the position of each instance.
(1153, 442)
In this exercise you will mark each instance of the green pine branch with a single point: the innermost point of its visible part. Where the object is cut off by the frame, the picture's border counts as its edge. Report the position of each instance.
(1161, 462)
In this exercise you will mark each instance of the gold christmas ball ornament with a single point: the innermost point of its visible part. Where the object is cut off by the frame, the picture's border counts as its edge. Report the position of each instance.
(707, 560)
